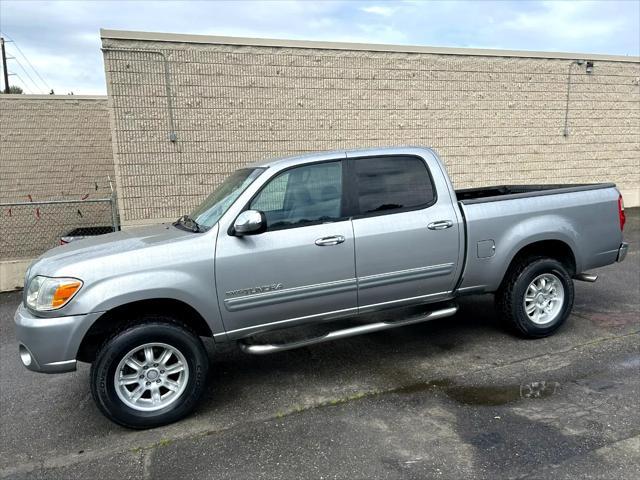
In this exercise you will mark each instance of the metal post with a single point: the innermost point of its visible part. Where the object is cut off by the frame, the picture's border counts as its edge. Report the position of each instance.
(114, 207)
(114, 213)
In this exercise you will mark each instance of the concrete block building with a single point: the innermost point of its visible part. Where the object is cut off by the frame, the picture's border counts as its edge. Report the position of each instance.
(188, 109)
(54, 147)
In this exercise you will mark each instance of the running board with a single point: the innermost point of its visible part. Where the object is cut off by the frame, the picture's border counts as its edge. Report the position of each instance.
(347, 332)
(586, 277)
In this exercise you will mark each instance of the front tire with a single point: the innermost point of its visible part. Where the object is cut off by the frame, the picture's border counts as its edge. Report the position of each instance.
(149, 374)
(536, 297)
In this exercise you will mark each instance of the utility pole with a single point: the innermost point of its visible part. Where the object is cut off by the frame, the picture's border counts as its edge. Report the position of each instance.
(4, 66)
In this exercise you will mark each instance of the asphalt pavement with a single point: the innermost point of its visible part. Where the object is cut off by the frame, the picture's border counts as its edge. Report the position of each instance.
(454, 398)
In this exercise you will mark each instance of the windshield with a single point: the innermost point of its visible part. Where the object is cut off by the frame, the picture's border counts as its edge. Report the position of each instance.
(210, 211)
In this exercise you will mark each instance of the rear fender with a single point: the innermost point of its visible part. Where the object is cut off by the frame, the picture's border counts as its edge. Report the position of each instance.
(520, 235)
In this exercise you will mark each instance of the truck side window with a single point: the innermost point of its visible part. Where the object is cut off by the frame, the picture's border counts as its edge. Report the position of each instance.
(302, 195)
(388, 184)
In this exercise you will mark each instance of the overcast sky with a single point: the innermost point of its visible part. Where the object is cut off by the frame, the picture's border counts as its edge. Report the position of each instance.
(61, 38)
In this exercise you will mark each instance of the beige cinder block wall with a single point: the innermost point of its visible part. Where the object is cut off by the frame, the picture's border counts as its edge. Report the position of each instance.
(494, 116)
(52, 147)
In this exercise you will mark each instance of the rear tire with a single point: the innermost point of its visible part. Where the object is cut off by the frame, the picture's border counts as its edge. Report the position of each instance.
(149, 374)
(536, 297)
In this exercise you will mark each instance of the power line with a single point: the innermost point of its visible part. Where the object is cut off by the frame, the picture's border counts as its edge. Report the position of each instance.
(48, 87)
(28, 62)
(26, 87)
(26, 73)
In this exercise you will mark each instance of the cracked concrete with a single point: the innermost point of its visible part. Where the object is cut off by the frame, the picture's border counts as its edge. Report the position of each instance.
(455, 398)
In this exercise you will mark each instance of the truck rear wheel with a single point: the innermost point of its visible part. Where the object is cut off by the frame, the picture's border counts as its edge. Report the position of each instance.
(536, 296)
(149, 374)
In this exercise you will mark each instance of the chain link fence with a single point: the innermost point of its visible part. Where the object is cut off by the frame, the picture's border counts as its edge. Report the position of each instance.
(28, 229)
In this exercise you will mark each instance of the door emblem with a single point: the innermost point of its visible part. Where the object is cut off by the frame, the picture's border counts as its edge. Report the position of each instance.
(254, 290)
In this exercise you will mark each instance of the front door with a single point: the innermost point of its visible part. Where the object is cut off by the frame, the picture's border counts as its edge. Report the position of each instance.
(302, 267)
(407, 242)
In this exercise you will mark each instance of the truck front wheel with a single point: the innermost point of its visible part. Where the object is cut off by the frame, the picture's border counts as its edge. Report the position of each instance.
(149, 374)
(536, 296)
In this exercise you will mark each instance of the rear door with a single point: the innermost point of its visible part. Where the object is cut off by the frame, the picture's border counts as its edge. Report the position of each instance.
(406, 236)
(302, 267)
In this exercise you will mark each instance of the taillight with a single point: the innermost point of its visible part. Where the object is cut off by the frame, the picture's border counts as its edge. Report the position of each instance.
(621, 215)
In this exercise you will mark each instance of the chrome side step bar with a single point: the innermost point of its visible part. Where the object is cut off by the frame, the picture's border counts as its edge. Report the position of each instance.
(586, 277)
(347, 332)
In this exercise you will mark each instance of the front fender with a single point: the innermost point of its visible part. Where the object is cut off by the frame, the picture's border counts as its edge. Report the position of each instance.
(109, 293)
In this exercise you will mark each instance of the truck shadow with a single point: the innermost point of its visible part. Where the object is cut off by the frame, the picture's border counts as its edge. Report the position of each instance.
(379, 358)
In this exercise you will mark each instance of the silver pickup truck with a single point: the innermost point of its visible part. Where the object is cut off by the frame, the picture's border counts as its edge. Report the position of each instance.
(328, 239)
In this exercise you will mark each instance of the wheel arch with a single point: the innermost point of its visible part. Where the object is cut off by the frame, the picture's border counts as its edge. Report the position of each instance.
(552, 248)
(125, 314)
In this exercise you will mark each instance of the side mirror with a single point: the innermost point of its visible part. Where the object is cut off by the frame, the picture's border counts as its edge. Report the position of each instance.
(250, 222)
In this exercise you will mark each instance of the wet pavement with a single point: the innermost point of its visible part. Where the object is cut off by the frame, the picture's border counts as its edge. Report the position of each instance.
(455, 398)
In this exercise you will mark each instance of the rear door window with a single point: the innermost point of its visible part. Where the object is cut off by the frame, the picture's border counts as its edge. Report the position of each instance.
(391, 184)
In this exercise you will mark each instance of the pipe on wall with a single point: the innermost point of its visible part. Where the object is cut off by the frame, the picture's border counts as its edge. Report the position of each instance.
(173, 136)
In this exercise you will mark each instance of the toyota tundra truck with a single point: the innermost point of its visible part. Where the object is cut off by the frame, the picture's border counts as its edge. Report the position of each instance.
(325, 240)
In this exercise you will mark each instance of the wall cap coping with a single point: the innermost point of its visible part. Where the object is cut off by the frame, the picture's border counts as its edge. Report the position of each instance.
(268, 42)
(23, 96)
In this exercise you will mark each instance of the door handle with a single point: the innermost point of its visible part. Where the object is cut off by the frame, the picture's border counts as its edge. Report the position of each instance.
(328, 241)
(440, 225)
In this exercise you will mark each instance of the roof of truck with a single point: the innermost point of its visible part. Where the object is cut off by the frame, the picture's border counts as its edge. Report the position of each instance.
(336, 154)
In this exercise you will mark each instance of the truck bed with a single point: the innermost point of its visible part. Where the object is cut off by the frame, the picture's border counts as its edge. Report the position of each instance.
(470, 196)
(501, 220)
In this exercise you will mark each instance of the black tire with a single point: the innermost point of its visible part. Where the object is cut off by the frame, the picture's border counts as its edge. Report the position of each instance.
(147, 330)
(510, 297)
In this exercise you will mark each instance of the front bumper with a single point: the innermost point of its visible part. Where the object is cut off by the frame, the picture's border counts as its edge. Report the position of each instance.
(50, 345)
(622, 251)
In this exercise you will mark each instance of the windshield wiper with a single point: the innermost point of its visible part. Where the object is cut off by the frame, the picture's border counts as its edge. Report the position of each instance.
(189, 223)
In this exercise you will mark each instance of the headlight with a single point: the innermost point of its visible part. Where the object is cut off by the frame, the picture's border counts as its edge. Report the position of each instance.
(45, 293)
